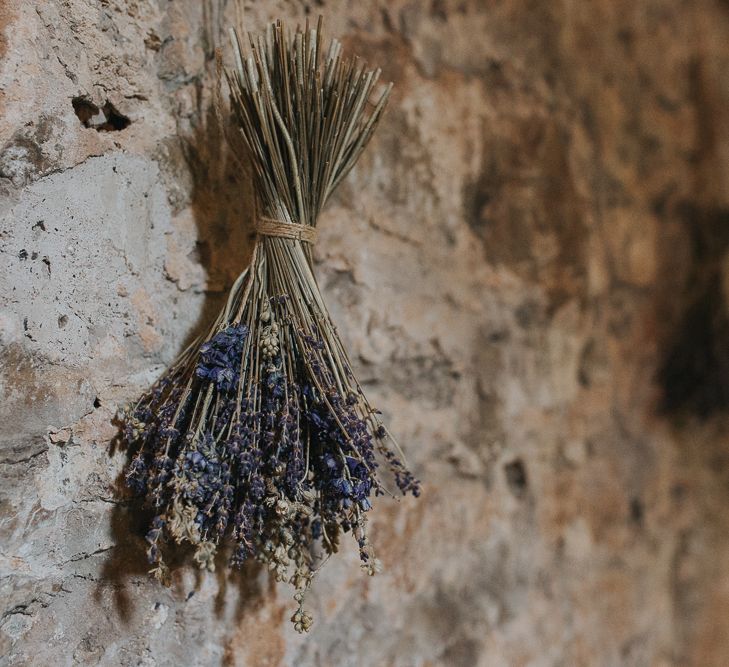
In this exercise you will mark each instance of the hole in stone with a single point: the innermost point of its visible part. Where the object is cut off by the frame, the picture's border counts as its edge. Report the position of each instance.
(636, 510)
(97, 402)
(62, 321)
(114, 119)
(104, 119)
(516, 477)
(84, 109)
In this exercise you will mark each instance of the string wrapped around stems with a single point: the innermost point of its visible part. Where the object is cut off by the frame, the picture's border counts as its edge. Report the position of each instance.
(260, 432)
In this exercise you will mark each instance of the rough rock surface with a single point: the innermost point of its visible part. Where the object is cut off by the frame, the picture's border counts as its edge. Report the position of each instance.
(531, 268)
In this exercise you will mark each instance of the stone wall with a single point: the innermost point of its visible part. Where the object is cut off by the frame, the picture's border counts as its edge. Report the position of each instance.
(530, 266)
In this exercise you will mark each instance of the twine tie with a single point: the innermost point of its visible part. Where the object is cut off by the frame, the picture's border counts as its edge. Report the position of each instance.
(287, 230)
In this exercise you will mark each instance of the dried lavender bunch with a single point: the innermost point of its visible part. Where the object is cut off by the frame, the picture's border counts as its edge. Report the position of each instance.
(260, 432)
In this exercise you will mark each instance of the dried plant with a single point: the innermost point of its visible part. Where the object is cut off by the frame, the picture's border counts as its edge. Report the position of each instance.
(260, 431)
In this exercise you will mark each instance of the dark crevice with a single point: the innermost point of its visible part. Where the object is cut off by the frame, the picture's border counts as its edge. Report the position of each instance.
(104, 119)
(516, 477)
(636, 510)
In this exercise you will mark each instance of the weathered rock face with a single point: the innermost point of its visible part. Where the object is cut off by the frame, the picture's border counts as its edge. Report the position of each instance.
(530, 266)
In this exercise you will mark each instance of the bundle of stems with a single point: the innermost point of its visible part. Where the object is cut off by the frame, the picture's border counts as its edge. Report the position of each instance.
(259, 432)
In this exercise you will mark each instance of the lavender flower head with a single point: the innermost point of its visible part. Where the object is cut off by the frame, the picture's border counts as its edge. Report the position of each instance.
(220, 357)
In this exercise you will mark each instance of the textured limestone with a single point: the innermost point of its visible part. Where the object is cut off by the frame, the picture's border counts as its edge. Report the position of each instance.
(530, 266)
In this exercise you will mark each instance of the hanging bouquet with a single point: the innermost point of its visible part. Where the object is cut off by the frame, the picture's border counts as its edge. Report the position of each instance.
(260, 432)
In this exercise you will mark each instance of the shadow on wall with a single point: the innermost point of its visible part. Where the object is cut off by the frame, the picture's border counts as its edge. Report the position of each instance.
(223, 207)
(222, 204)
(694, 375)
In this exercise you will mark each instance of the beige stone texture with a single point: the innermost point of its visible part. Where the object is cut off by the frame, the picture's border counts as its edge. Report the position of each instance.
(530, 266)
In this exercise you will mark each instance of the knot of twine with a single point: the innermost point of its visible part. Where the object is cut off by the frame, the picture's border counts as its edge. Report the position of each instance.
(287, 230)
